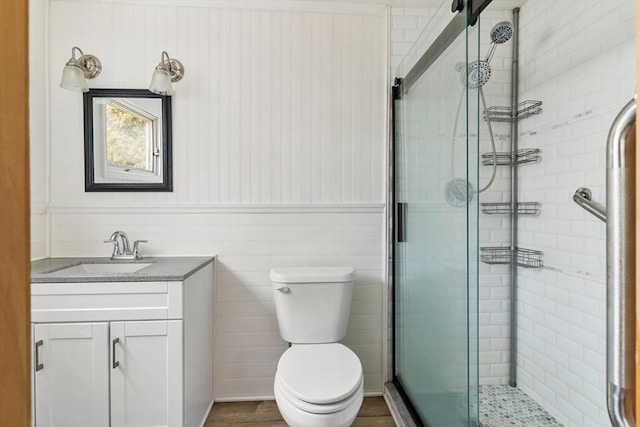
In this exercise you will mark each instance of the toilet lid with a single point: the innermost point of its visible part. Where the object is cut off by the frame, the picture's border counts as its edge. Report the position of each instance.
(312, 274)
(320, 373)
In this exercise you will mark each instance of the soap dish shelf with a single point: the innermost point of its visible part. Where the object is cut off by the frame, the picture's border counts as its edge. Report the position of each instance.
(527, 258)
(522, 156)
(522, 208)
(503, 114)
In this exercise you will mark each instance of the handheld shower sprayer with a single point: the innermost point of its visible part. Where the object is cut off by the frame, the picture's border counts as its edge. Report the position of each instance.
(500, 33)
(478, 72)
(458, 191)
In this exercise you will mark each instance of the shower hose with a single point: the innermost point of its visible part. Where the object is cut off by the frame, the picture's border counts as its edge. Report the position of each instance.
(493, 143)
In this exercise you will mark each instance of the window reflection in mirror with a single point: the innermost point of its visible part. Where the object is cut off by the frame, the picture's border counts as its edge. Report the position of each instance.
(131, 149)
(131, 137)
(129, 141)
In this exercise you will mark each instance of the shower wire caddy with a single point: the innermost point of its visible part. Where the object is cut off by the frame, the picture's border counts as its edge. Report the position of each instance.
(527, 258)
(503, 114)
(522, 208)
(522, 156)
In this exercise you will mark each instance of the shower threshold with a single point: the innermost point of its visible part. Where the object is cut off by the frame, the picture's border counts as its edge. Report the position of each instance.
(506, 406)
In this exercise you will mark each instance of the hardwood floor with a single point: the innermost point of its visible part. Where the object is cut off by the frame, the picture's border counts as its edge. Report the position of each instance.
(373, 413)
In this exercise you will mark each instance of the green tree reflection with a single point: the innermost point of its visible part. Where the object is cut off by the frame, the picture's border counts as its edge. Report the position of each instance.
(127, 143)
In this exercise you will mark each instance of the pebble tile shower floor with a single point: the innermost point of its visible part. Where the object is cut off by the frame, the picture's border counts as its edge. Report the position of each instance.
(506, 406)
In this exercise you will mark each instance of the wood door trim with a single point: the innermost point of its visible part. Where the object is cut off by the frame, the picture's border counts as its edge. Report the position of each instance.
(15, 335)
(637, 242)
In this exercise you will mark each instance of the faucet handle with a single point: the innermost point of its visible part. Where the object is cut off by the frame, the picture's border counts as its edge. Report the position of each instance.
(136, 250)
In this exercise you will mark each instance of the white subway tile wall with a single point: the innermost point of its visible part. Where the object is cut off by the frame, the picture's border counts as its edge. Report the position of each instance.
(494, 280)
(578, 58)
(407, 25)
(401, 33)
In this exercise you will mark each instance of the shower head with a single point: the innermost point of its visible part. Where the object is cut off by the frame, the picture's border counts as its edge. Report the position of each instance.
(458, 192)
(501, 32)
(477, 75)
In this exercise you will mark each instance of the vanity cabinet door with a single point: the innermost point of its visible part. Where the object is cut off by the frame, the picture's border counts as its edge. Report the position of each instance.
(71, 378)
(146, 374)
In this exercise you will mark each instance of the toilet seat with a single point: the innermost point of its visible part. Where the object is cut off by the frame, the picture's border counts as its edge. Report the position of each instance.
(319, 385)
(313, 408)
(319, 374)
(296, 417)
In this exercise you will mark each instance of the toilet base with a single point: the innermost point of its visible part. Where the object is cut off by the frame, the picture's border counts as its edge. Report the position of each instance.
(295, 417)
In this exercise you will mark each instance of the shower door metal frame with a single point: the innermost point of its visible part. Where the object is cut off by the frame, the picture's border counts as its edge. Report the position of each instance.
(447, 36)
(396, 234)
(396, 214)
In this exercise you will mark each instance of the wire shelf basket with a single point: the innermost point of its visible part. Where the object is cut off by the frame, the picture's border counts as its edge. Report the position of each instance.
(503, 114)
(522, 156)
(527, 258)
(523, 208)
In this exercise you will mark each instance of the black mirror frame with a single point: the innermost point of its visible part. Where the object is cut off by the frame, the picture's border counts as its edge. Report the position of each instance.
(167, 160)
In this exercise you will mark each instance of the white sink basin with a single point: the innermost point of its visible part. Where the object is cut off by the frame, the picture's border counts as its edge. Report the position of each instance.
(102, 268)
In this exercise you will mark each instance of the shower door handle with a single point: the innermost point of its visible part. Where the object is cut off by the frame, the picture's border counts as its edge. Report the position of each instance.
(401, 223)
(621, 213)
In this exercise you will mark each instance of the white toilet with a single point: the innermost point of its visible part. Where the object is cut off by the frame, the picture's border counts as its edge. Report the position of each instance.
(319, 381)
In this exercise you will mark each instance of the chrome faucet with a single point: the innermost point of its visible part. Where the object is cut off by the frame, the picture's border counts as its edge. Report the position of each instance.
(121, 246)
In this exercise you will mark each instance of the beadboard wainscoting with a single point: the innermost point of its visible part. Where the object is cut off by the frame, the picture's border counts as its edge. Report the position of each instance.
(248, 244)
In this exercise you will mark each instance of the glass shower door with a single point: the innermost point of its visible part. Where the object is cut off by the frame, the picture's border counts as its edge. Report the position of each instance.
(436, 280)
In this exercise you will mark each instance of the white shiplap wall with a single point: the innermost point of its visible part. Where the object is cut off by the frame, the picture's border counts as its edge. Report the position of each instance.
(279, 136)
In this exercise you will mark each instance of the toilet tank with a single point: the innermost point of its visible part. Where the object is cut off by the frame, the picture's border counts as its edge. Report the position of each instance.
(312, 303)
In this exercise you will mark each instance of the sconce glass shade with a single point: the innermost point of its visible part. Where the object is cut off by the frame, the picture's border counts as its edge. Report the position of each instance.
(77, 70)
(167, 71)
(161, 82)
(73, 79)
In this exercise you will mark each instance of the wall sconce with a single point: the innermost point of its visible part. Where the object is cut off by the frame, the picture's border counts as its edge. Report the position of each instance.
(77, 70)
(167, 71)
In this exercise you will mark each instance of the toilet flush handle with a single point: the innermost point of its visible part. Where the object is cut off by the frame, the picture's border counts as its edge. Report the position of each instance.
(284, 289)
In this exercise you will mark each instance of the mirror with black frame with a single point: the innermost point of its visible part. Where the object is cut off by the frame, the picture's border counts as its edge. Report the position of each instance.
(127, 140)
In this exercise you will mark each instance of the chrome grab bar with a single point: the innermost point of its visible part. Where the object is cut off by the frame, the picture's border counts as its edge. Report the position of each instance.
(582, 197)
(621, 268)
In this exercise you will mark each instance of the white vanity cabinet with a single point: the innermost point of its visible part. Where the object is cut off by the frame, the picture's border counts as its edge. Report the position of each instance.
(71, 377)
(123, 353)
(146, 373)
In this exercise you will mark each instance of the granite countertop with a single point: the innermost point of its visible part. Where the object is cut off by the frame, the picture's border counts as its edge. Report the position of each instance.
(50, 270)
